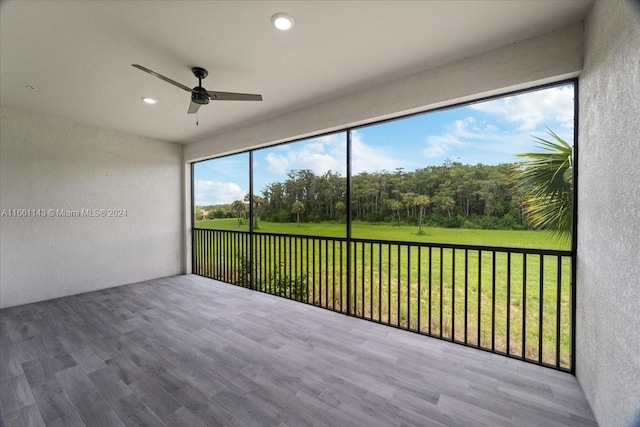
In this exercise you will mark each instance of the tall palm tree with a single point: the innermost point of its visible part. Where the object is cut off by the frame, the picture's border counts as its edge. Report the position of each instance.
(239, 208)
(340, 208)
(447, 204)
(545, 181)
(396, 207)
(422, 202)
(257, 203)
(297, 208)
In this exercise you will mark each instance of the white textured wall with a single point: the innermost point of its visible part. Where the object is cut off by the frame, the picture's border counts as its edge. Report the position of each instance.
(47, 162)
(541, 59)
(608, 296)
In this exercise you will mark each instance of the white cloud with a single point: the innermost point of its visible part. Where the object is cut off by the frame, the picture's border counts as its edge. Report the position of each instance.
(327, 153)
(216, 192)
(277, 163)
(440, 145)
(372, 159)
(549, 107)
(319, 155)
(474, 141)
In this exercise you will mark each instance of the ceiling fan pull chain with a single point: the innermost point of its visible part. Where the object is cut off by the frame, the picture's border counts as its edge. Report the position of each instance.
(197, 117)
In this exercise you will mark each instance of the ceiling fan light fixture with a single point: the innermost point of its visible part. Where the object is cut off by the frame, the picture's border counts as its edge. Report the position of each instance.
(149, 100)
(282, 21)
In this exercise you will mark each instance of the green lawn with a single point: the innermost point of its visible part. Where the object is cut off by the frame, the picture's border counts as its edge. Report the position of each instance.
(507, 238)
(419, 289)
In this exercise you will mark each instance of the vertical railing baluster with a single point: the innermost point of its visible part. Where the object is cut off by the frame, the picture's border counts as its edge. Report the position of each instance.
(371, 280)
(341, 272)
(235, 243)
(508, 303)
(313, 270)
(215, 255)
(379, 246)
(320, 271)
(195, 245)
(355, 279)
(196, 248)
(524, 305)
(408, 287)
(230, 257)
(540, 308)
(430, 293)
(204, 255)
(398, 283)
(419, 286)
(290, 269)
(466, 293)
(441, 282)
(221, 255)
(453, 294)
(265, 245)
(333, 276)
(389, 283)
(479, 296)
(281, 264)
(225, 242)
(198, 239)
(326, 273)
(362, 278)
(267, 263)
(307, 270)
(233, 259)
(225, 257)
(493, 300)
(558, 308)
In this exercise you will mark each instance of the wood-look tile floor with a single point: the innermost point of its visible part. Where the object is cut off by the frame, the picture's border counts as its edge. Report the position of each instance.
(189, 351)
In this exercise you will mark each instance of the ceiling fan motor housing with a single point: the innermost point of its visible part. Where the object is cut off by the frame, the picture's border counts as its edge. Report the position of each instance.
(199, 95)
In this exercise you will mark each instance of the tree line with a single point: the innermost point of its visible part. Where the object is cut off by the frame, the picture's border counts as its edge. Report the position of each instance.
(450, 195)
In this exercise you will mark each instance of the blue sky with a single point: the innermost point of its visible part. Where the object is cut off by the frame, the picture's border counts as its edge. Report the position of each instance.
(490, 132)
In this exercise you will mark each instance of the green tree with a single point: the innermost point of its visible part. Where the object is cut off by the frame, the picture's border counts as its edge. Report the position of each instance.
(447, 204)
(407, 201)
(545, 181)
(239, 208)
(422, 202)
(297, 208)
(395, 206)
(257, 204)
(340, 208)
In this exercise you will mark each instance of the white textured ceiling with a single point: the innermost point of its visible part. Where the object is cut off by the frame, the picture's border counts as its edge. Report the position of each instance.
(79, 53)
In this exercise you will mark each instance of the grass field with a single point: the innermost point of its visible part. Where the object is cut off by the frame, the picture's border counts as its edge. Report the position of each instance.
(508, 238)
(456, 294)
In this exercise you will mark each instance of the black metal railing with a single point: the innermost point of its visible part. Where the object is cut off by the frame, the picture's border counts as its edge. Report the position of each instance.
(511, 301)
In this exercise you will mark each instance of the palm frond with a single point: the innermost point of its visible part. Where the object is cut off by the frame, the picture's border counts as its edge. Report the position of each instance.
(545, 182)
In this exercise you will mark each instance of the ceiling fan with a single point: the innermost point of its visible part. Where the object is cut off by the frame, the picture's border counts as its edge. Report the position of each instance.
(199, 95)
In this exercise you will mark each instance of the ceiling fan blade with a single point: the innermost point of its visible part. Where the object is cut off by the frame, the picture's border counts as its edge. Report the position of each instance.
(231, 96)
(193, 108)
(160, 76)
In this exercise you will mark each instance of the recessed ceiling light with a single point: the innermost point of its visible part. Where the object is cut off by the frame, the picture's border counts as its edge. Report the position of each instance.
(149, 100)
(282, 21)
